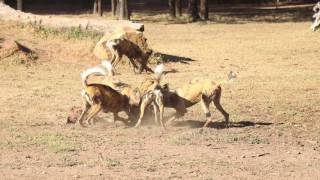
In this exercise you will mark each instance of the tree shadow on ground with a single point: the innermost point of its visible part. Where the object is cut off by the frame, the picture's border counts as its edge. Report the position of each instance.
(219, 124)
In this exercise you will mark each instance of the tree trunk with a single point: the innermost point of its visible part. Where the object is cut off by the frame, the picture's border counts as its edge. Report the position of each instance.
(172, 9)
(178, 8)
(114, 8)
(277, 3)
(99, 8)
(95, 5)
(19, 5)
(204, 10)
(193, 10)
(123, 11)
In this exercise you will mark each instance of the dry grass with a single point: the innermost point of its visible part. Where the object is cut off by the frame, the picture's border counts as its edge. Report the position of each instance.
(278, 83)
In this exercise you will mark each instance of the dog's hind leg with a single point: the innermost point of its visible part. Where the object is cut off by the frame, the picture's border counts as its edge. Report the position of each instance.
(85, 110)
(180, 111)
(131, 61)
(116, 59)
(159, 102)
(216, 101)
(146, 101)
(155, 111)
(205, 103)
(145, 67)
(95, 109)
(173, 117)
(86, 107)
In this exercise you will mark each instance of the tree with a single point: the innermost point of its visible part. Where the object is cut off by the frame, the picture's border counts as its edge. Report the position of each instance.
(193, 11)
(178, 8)
(123, 10)
(175, 8)
(97, 9)
(114, 8)
(277, 3)
(198, 9)
(204, 10)
(19, 5)
(172, 9)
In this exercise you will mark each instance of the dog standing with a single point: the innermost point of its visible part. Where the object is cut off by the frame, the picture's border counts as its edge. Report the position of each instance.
(203, 91)
(97, 97)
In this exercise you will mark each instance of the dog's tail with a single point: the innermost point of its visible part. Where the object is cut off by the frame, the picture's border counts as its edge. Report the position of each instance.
(231, 77)
(159, 70)
(108, 66)
(95, 70)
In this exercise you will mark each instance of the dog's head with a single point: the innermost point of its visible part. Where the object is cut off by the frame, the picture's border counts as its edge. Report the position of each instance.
(74, 115)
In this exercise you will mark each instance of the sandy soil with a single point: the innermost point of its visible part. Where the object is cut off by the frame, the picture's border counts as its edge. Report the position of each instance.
(274, 107)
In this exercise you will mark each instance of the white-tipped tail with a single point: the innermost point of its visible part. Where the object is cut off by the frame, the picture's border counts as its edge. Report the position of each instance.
(106, 64)
(159, 69)
(95, 70)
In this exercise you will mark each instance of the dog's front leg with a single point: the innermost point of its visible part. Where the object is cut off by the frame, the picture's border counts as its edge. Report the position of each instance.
(155, 110)
(116, 59)
(159, 102)
(173, 117)
(205, 106)
(146, 101)
(132, 62)
(95, 109)
(180, 111)
(86, 107)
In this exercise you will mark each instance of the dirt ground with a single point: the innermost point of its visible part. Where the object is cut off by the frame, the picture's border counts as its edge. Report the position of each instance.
(273, 106)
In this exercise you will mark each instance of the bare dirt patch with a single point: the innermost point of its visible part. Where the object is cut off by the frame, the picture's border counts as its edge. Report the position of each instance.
(274, 107)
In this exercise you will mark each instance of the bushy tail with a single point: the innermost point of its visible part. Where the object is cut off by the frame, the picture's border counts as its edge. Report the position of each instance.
(95, 70)
(159, 70)
(231, 77)
(108, 66)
